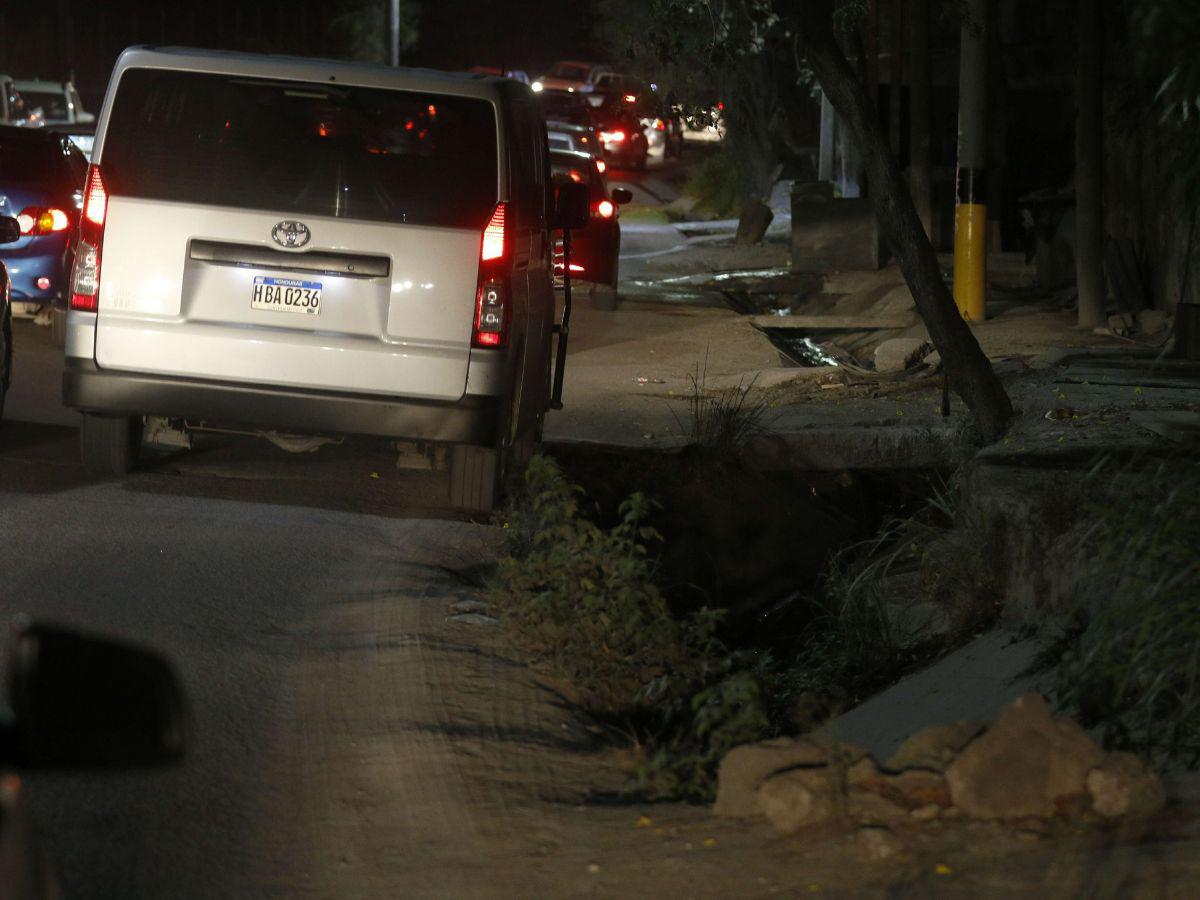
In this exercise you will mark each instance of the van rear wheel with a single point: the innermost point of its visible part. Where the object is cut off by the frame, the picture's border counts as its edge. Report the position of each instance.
(109, 444)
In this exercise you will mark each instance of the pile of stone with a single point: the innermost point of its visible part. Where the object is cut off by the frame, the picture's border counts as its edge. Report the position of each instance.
(1029, 763)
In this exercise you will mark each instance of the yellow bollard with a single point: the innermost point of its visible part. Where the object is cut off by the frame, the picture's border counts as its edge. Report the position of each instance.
(970, 260)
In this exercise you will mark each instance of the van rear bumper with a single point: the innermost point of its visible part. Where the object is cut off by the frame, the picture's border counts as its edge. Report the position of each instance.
(88, 388)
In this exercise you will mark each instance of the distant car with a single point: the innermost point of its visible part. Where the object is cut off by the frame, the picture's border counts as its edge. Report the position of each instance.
(41, 185)
(10, 231)
(573, 76)
(82, 135)
(584, 139)
(514, 74)
(594, 249)
(58, 101)
(662, 124)
(12, 105)
(623, 137)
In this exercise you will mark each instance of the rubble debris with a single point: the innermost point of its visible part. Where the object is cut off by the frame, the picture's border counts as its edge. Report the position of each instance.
(898, 354)
(1028, 767)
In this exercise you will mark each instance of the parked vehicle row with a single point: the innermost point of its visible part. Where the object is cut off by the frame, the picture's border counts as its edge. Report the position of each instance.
(32, 103)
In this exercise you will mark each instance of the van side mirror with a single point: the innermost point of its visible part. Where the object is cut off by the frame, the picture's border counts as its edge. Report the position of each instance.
(572, 207)
(621, 196)
(80, 702)
(10, 230)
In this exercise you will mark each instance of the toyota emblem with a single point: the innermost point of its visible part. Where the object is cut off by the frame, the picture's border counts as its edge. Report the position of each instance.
(290, 234)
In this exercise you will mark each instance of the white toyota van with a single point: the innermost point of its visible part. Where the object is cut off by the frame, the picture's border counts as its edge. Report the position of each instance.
(314, 247)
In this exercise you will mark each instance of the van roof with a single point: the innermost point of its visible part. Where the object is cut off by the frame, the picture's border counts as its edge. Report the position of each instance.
(261, 65)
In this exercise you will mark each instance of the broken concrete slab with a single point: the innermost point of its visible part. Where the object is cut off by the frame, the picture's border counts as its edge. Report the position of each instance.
(974, 682)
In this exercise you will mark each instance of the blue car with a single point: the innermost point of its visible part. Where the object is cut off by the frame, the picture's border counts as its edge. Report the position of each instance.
(10, 231)
(41, 186)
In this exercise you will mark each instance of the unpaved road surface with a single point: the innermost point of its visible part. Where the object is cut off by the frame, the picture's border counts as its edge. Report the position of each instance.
(350, 741)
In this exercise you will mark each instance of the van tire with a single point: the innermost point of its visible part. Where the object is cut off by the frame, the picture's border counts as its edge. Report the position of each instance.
(58, 326)
(109, 444)
(474, 478)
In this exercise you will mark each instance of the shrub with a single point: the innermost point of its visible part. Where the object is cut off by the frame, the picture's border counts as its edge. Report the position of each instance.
(715, 183)
(1133, 668)
(584, 599)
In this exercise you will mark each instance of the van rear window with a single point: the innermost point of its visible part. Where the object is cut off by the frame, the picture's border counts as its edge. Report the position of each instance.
(303, 148)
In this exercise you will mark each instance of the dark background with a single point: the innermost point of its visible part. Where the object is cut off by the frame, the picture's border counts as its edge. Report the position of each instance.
(60, 38)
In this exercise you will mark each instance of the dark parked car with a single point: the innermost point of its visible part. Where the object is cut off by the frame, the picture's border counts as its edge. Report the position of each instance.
(41, 185)
(594, 248)
(623, 136)
(9, 232)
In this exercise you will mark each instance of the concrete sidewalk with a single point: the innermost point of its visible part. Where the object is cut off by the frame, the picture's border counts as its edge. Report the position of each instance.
(632, 371)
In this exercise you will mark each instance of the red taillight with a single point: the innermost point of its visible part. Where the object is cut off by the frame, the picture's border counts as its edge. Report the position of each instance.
(660, 125)
(85, 276)
(612, 137)
(491, 298)
(605, 209)
(95, 198)
(36, 220)
(493, 236)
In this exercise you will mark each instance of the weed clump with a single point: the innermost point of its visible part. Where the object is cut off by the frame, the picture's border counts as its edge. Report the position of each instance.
(1132, 669)
(584, 600)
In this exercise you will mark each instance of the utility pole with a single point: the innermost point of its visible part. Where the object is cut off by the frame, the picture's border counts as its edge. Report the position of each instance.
(920, 170)
(395, 43)
(970, 214)
(1089, 164)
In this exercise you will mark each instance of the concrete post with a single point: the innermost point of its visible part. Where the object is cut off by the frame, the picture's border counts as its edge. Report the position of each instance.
(920, 172)
(825, 148)
(970, 215)
(1089, 165)
(395, 33)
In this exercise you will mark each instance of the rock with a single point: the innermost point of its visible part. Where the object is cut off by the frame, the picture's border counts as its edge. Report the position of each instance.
(868, 807)
(917, 788)
(1122, 786)
(744, 768)
(798, 797)
(898, 354)
(863, 770)
(473, 619)
(878, 844)
(1023, 765)
(1120, 323)
(1152, 321)
(933, 360)
(926, 813)
(467, 606)
(934, 747)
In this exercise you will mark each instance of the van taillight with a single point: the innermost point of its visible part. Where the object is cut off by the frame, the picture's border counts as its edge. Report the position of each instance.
(491, 299)
(85, 276)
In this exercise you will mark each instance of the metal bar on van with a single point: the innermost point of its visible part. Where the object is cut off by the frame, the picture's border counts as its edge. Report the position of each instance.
(352, 264)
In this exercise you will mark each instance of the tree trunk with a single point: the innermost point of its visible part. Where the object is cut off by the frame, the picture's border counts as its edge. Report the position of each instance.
(753, 222)
(920, 169)
(1089, 165)
(966, 365)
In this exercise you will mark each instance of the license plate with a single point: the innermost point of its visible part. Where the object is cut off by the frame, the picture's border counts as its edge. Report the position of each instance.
(286, 295)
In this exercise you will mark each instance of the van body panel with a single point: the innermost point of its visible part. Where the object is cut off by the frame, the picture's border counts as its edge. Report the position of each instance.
(163, 311)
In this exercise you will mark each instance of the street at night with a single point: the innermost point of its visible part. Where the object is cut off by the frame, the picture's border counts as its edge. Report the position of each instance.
(686, 449)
